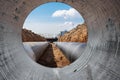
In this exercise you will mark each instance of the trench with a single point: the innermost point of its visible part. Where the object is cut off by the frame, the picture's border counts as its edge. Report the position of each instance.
(57, 54)
(99, 61)
(53, 57)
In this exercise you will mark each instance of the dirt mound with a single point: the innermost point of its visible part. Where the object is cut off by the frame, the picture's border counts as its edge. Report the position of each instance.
(29, 36)
(78, 34)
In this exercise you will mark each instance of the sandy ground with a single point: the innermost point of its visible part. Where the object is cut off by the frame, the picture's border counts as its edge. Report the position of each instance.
(53, 57)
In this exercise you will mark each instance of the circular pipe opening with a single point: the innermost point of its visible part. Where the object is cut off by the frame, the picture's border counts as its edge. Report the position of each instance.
(69, 37)
(100, 60)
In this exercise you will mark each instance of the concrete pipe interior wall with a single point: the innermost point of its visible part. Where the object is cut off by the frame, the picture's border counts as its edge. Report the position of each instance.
(100, 60)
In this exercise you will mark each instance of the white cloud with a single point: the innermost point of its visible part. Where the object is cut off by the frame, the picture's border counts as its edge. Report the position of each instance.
(71, 13)
(68, 24)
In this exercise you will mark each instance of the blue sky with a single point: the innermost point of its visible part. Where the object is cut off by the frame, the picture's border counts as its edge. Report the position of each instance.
(51, 18)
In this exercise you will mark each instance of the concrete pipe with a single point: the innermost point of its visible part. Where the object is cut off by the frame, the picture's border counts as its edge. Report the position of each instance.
(35, 49)
(99, 61)
(72, 50)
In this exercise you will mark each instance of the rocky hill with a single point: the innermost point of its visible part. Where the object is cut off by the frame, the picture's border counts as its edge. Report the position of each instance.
(29, 36)
(78, 34)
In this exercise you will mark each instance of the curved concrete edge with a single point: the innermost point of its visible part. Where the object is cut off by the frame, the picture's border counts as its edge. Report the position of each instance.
(100, 60)
(72, 50)
(29, 51)
(35, 49)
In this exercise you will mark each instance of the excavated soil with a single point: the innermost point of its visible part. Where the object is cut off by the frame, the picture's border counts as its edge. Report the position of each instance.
(78, 34)
(29, 36)
(53, 57)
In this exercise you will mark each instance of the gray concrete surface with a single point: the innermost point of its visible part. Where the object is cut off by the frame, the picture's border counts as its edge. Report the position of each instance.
(72, 50)
(35, 49)
(99, 61)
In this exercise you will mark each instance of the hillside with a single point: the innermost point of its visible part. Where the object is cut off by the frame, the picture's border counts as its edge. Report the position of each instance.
(78, 34)
(29, 36)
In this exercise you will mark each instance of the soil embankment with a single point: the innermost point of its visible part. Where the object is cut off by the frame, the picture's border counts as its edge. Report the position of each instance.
(78, 34)
(29, 36)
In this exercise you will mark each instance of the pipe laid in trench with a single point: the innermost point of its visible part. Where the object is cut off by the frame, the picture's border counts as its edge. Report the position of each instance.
(72, 50)
(99, 61)
(35, 49)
